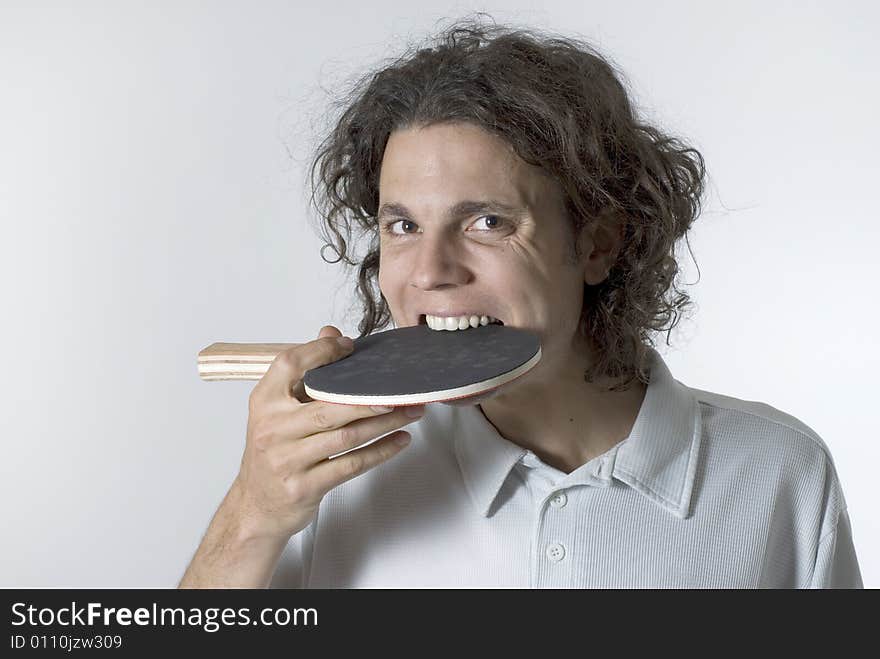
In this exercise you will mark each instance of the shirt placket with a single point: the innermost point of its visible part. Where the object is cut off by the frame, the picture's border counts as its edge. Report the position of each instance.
(547, 544)
(554, 542)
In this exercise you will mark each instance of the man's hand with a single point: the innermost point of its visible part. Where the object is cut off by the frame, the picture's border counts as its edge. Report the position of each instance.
(286, 471)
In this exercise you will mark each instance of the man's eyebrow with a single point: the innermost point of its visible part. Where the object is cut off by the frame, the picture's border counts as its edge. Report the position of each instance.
(462, 208)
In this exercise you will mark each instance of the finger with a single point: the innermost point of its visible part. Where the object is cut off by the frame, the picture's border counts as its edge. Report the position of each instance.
(329, 330)
(293, 426)
(317, 448)
(288, 367)
(298, 391)
(332, 473)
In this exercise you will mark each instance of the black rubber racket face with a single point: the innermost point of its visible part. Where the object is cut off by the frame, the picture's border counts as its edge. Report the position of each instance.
(415, 365)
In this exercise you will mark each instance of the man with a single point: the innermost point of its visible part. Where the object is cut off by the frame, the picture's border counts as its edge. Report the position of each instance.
(505, 174)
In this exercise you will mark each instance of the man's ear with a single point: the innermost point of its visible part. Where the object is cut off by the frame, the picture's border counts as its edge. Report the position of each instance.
(600, 244)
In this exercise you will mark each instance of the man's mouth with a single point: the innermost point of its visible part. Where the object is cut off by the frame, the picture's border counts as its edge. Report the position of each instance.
(455, 323)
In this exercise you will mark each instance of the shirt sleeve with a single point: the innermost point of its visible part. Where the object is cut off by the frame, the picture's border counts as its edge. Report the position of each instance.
(836, 562)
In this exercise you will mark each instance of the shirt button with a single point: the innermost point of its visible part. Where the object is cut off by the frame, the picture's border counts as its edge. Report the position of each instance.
(555, 552)
(559, 500)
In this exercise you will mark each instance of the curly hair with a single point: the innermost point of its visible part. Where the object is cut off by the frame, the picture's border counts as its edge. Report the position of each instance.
(561, 106)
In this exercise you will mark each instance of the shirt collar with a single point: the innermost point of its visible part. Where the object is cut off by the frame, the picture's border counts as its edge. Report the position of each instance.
(658, 459)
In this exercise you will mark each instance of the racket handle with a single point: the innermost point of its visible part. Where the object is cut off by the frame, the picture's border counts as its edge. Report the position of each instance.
(238, 361)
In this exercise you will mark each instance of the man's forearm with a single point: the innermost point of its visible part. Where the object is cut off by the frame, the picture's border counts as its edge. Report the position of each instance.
(229, 556)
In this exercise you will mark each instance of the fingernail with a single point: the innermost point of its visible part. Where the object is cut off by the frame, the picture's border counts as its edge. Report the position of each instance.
(345, 342)
(380, 408)
(415, 411)
(402, 440)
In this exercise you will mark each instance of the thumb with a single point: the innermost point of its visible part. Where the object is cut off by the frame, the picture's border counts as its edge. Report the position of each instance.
(298, 390)
(329, 330)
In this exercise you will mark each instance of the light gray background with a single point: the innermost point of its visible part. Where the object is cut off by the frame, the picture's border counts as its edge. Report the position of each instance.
(152, 202)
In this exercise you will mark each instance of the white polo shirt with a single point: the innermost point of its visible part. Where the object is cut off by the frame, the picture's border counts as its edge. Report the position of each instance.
(708, 491)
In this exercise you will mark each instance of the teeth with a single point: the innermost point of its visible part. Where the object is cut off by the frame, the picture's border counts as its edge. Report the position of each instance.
(452, 323)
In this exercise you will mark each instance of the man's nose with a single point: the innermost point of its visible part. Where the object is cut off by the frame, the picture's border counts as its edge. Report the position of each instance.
(438, 263)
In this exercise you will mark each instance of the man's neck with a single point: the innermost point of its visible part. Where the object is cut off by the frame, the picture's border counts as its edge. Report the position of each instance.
(563, 420)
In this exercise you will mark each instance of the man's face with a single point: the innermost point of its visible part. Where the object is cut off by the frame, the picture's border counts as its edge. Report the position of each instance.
(441, 254)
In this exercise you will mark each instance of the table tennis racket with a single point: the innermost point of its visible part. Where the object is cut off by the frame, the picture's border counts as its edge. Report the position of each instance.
(404, 366)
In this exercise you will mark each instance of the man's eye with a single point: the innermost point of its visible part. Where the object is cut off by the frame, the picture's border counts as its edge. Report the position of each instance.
(404, 223)
(488, 222)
